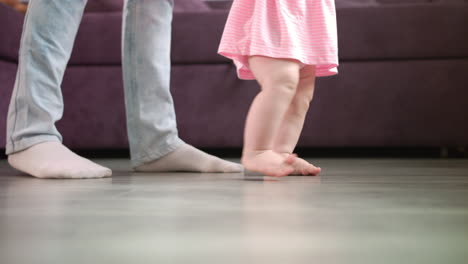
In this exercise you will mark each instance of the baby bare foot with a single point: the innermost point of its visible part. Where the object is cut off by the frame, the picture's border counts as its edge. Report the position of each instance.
(269, 163)
(302, 167)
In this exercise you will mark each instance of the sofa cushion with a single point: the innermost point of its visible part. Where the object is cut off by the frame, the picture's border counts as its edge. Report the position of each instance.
(365, 32)
(377, 32)
(117, 5)
(190, 6)
(10, 33)
(403, 32)
(226, 4)
(104, 6)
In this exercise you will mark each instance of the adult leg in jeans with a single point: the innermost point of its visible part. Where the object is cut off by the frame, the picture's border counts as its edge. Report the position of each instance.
(151, 121)
(33, 142)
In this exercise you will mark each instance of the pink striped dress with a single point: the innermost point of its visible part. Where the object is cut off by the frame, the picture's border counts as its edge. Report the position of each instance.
(304, 30)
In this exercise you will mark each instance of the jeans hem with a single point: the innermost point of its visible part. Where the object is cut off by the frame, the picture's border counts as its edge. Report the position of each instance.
(29, 142)
(158, 152)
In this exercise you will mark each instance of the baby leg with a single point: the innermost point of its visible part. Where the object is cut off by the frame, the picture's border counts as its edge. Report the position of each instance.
(293, 122)
(278, 80)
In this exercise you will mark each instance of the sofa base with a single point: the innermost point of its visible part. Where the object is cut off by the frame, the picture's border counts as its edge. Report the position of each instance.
(369, 104)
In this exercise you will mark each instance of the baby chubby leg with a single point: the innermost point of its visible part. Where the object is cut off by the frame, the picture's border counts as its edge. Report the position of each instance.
(278, 80)
(293, 122)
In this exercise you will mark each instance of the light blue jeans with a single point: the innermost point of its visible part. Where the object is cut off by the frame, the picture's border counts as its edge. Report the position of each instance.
(48, 36)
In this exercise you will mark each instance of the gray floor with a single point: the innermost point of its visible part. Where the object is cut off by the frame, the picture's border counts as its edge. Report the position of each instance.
(357, 211)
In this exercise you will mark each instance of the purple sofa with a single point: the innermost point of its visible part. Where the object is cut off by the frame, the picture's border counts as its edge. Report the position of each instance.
(402, 81)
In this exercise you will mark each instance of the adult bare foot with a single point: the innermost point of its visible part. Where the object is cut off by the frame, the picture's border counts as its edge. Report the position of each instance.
(269, 163)
(54, 160)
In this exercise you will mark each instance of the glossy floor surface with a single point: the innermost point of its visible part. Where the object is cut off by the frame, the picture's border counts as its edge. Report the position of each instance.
(357, 211)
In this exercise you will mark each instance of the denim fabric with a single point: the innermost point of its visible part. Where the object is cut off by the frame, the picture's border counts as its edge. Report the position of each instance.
(47, 41)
